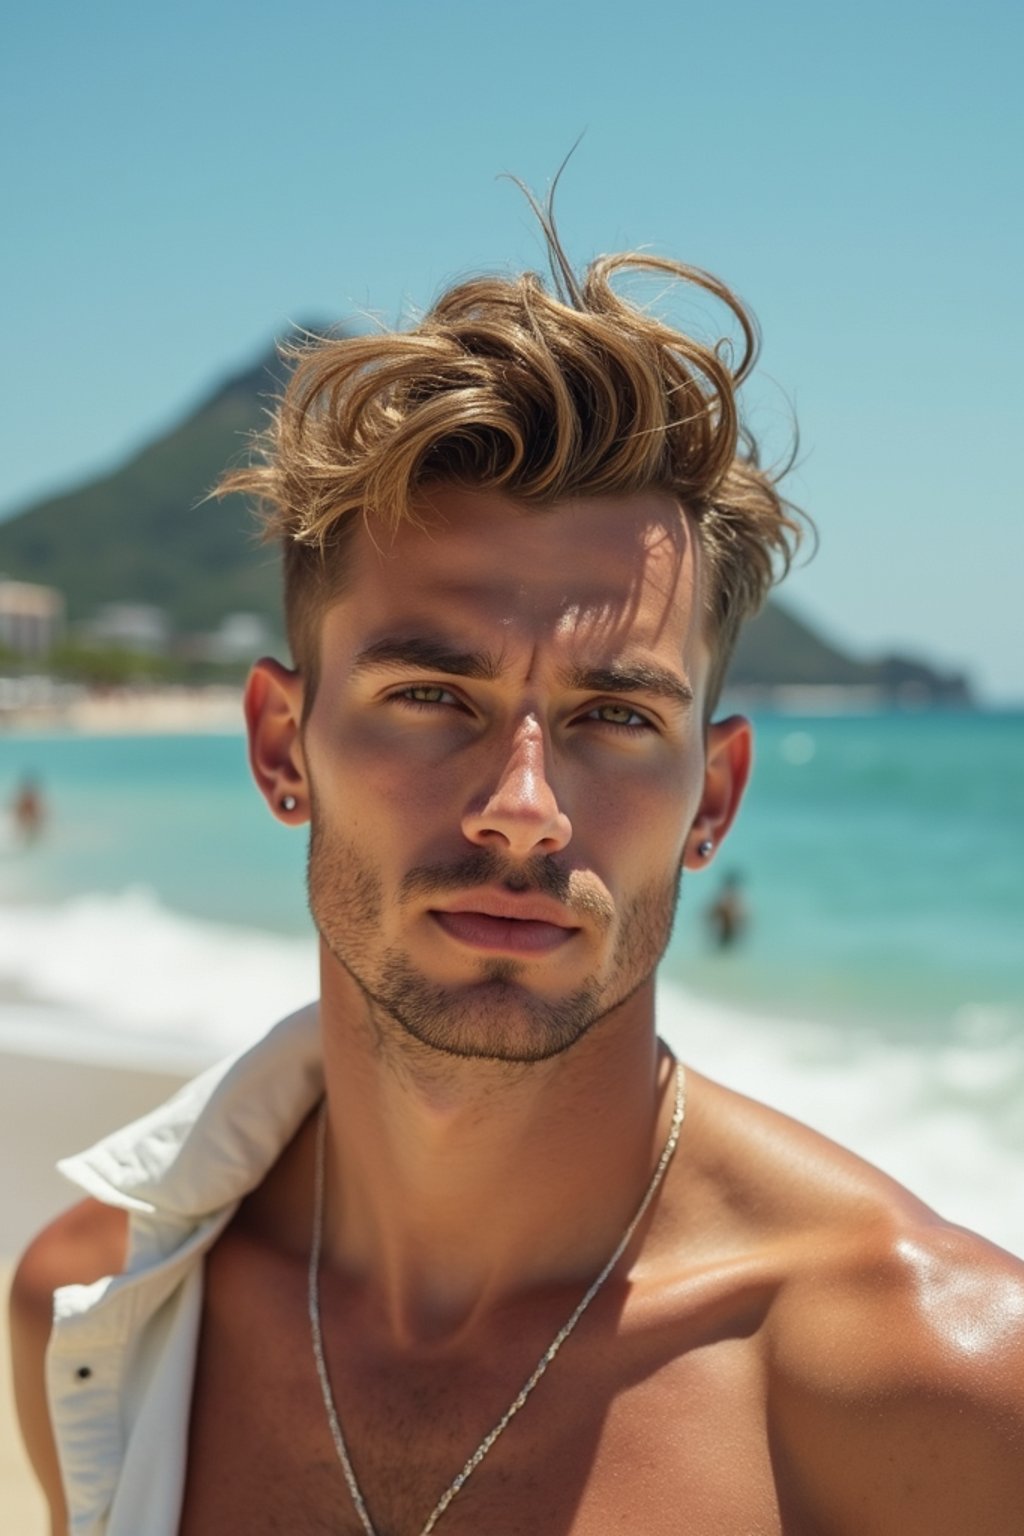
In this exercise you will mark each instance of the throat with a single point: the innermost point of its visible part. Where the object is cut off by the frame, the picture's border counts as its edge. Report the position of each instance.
(427, 1275)
(546, 1359)
(448, 1195)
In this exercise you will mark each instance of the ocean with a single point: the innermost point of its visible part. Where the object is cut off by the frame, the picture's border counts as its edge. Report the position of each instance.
(877, 993)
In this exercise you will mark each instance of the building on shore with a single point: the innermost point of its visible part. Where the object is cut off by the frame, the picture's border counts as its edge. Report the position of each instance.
(31, 617)
(142, 628)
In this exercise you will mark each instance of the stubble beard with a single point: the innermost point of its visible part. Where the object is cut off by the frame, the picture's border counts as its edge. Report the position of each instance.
(494, 1017)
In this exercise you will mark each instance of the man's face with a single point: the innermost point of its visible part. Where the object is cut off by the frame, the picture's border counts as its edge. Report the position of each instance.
(504, 759)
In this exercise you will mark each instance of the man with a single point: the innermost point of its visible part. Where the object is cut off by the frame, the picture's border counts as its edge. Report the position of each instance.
(465, 1248)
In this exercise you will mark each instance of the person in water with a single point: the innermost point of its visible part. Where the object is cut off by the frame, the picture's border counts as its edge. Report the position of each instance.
(28, 811)
(727, 915)
(463, 1246)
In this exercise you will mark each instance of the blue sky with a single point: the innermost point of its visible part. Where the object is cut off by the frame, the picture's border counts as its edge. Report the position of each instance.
(180, 182)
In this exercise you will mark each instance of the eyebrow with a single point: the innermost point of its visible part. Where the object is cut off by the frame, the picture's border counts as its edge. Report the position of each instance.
(632, 677)
(428, 652)
(431, 653)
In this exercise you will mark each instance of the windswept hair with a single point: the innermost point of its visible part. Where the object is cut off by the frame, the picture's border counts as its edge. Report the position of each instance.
(506, 386)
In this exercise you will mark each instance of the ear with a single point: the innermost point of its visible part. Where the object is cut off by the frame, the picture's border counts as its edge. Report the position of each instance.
(727, 760)
(273, 714)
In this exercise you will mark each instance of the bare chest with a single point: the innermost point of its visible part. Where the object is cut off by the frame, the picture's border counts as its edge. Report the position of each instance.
(619, 1435)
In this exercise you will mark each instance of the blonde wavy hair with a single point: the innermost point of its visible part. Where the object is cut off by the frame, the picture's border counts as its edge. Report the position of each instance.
(506, 386)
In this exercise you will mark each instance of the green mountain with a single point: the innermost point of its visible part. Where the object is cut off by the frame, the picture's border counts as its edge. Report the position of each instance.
(777, 649)
(146, 534)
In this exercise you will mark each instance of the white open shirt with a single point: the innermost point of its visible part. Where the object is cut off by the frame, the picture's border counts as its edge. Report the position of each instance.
(121, 1357)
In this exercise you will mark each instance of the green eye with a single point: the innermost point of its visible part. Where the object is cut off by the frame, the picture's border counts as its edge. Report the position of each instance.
(620, 715)
(425, 696)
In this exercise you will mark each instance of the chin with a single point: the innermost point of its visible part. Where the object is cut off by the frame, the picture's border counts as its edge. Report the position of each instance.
(496, 1018)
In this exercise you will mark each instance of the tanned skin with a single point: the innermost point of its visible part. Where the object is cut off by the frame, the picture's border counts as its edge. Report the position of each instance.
(506, 765)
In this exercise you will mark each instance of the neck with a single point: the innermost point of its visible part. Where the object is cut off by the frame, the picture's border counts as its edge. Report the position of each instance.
(455, 1185)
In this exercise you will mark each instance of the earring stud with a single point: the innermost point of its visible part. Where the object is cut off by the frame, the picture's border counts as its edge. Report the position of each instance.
(705, 847)
(288, 802)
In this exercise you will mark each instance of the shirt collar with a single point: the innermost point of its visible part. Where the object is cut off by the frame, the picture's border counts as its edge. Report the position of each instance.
(218, 1137)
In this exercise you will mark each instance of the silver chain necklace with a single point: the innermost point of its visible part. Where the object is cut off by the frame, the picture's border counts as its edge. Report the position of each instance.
(459, 1481)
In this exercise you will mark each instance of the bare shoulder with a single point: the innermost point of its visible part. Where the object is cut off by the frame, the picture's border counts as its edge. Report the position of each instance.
(894, 1346)
(82, 1245)
(896, 1370)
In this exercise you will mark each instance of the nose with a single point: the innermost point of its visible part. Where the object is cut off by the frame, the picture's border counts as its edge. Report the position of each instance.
(520, 815)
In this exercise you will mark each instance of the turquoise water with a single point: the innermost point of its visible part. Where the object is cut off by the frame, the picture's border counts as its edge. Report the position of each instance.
(177, 815)
(882, 858)
(884, 864)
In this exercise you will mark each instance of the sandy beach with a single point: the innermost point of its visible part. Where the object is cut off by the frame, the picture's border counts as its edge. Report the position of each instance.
(171, 710)
(47, 1109)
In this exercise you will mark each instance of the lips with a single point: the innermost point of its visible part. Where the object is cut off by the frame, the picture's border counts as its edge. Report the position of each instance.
(497, 921)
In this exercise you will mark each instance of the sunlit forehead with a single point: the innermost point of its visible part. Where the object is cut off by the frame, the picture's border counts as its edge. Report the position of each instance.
(575, 588)
(569, 589)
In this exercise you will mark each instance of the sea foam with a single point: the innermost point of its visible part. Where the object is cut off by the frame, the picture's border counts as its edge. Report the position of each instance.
(122, 978)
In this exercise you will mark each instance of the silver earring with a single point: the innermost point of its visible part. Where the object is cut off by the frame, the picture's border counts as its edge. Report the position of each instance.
(705, 847)
(288, 802)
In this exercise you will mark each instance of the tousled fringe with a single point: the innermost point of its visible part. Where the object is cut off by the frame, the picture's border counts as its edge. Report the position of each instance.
(503, 386)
